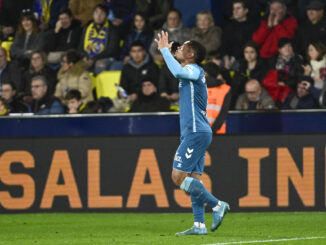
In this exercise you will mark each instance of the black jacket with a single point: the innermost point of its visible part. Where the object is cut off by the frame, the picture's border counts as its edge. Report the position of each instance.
(11, 74)
(65, 39)
(152, 103)
(16, 106)
(132, 75)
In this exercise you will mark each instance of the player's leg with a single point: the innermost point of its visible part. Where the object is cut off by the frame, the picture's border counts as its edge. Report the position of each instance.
(198, 206)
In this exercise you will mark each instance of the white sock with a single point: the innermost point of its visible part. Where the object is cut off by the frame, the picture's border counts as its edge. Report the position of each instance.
(217, 207)
(199, 225)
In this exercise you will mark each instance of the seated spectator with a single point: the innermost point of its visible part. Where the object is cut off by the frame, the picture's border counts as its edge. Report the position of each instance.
(73, 75)
(100, 42)
(9, 95)
(316, 56)
(313, 29)
(250, 67)
(237, 32)
(27, 39)
(174, 27)
(279, 24)
(206, 32)
(65, 35)
(50, 12)
(155, 10)
(306, 96)
(9, 72)
(83, 10)
(43, 103)
(285, 69)
(121, 14)
(7, 33)
(149, 100)
(168, 84)
(254, 98)
(92, 107)
(141, 31)
(3, 107)
(37, 67)
(74, 102)
(137, 68)
(218, 98)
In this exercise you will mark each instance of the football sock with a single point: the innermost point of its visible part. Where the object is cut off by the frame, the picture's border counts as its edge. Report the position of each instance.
(198, 209)
(195, 188)
(199, 225)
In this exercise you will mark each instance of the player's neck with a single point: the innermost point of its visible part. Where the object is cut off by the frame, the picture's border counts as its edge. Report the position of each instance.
(186, 62)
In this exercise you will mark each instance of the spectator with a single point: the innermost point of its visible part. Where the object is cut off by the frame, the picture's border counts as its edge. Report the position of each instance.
(279, 24)
(237, 32)
(27, 39)
(149, 100)
(168, 84)
(174, 27)
(50, 12)
(285, 69)
(74, 102)
(92, 107)
(37, 67)
(3, 107)
(141, 31)
(317, 63)
(254, 98)
(73, 75)
(206, 32)
(43, 103)
(313, 29)
(155, 10)
(121, 14)
(9, 95)
(65, 35)
(100, 42)
(218, 98)
(250, 67)
(137, 68)
(9, 72)
(306, 96)
(7, 33)
(83, 10)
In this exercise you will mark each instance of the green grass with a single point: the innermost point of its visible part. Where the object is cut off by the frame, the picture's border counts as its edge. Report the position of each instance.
(110, 228)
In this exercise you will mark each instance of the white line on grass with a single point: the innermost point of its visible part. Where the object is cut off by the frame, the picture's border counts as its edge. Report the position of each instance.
(273, 240)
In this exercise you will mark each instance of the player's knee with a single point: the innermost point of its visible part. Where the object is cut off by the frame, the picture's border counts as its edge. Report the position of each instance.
(177, 178)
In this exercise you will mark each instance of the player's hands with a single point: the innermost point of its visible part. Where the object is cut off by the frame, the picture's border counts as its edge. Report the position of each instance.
(163, 41)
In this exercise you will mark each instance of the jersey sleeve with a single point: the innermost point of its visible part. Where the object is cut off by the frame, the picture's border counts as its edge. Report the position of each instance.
(189, 72)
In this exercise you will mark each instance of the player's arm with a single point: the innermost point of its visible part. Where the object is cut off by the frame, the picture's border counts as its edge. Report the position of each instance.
(188, 72)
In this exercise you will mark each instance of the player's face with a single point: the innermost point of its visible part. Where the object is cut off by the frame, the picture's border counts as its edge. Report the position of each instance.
(182, 51)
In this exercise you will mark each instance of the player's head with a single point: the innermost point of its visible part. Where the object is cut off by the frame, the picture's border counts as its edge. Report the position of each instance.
(191, 52)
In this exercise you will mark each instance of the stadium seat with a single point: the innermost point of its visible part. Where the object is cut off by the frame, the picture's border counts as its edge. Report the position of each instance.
(105, 84)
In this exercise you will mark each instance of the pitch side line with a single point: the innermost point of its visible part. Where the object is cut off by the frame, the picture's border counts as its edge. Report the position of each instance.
(273, 240)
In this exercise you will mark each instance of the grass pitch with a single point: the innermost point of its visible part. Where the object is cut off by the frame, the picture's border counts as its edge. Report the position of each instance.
(157, 229)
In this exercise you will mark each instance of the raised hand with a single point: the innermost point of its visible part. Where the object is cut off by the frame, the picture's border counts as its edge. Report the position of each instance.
(163, 41)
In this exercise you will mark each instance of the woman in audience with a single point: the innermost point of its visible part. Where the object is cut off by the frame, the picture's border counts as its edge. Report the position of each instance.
(250, 67)
(206, 32)
(73, 75)
(37, 67)
(141, 31)
(317, 63)
(27, 39)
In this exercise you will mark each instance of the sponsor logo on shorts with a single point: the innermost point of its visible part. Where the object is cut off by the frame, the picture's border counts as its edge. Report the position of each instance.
(177, 158)
(179, 165)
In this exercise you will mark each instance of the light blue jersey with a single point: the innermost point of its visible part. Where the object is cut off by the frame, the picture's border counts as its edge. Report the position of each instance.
(193, 95)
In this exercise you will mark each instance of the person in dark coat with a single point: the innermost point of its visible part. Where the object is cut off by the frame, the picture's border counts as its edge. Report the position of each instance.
(311, 30)
(149, 99)
(65, 36)
(9, 71)
(137, 68)
(306, 96)
(8, 92)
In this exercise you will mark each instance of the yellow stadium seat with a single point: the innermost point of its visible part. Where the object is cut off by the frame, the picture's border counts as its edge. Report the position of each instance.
(105, 84)
(7, 45)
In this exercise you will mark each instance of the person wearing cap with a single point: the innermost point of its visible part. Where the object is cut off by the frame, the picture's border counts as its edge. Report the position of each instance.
(313, 29)
(306, 96)
(149, 99)
(278, 24)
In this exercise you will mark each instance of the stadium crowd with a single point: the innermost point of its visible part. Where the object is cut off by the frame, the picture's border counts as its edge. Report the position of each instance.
(265, 55)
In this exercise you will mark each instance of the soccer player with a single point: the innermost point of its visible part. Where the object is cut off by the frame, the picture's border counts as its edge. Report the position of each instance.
(196, 134)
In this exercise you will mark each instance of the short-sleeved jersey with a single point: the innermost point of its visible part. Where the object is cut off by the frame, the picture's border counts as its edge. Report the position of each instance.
(193, 95)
